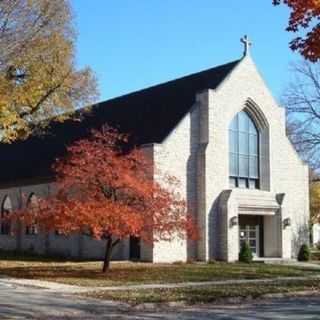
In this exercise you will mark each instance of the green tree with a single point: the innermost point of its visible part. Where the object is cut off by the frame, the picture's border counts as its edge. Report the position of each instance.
(38, 76)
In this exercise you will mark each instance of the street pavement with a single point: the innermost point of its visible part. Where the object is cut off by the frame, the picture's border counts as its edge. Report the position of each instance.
(17, 302)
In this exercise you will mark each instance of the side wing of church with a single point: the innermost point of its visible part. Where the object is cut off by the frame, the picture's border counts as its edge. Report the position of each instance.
(220, 132)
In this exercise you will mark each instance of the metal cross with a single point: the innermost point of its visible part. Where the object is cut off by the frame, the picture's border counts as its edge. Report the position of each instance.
(247, 44)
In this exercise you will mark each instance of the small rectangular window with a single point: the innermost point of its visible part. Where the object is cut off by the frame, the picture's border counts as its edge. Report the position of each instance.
(242, 183)
(243, 122)
(243, 143)
(253, 184)
(233, 165)
(253, 167)
(232, 183)
(233, 141)
(243, 166)
(253, 145)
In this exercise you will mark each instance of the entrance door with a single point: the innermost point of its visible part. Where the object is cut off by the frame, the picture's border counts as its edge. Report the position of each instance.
(134, 248)
(250, 234)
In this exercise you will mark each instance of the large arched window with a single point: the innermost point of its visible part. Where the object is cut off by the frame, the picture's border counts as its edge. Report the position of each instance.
(243, 152)
(5, 210)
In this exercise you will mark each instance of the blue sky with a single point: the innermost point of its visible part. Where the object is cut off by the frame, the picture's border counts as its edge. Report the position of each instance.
(132, 44)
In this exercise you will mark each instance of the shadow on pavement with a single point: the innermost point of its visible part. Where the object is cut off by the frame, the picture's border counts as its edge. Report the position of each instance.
(26, 303)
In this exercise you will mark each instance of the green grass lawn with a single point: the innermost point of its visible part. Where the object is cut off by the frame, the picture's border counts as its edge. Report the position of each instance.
(123, 273)
(208, 294)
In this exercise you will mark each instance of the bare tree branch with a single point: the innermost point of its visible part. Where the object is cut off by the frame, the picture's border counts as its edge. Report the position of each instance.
(302, 101)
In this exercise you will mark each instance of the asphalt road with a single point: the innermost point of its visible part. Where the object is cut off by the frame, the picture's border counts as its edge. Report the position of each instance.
(34, 303)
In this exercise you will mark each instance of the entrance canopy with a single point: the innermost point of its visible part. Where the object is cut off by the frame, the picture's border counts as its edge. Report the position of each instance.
(237, 207)
(257, 203)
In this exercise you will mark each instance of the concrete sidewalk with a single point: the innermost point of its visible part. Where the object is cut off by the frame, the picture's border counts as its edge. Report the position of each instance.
(65, 288)
(17, 303)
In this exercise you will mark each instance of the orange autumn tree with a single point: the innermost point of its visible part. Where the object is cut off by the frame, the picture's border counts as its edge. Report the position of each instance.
(110, 194)
(305, 15)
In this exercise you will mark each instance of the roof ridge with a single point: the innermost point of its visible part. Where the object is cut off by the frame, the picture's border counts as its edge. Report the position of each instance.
(235, 62)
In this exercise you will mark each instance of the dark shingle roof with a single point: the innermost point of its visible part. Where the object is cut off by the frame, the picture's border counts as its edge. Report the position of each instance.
(148, 115)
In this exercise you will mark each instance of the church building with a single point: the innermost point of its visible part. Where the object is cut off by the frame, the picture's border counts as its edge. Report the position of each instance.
(219, 131)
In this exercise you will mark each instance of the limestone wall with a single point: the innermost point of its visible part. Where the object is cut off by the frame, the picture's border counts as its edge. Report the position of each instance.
(282, 170)
(177, 156)
(75, 246)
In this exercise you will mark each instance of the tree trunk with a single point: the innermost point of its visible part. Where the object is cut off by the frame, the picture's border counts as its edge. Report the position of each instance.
(108, 254)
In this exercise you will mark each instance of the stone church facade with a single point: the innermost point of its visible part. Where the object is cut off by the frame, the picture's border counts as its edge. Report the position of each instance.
(220, 132)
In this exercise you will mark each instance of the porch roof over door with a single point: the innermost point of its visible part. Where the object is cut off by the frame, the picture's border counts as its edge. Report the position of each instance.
(256, 202)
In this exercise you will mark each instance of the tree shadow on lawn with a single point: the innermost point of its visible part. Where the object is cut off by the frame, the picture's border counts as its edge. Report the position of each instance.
(89, 274)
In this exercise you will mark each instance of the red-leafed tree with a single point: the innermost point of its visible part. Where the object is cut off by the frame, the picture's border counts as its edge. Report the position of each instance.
(305, 15)
(111, 194)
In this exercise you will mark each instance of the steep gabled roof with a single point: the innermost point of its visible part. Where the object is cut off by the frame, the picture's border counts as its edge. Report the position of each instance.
(148, 115)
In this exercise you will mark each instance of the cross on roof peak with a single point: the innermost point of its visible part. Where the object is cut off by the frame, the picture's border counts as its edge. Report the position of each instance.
(247, 44)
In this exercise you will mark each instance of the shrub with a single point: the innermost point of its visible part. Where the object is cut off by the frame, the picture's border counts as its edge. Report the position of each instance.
(245, 254)
(304, 253)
